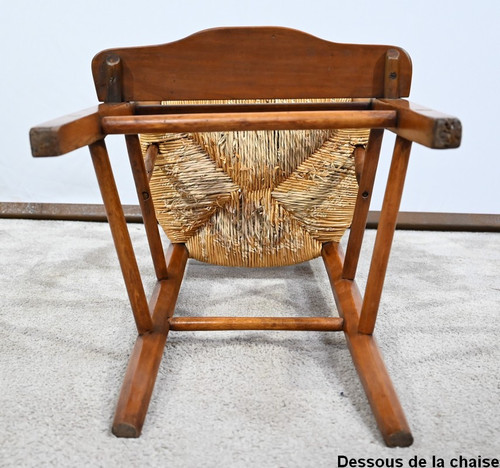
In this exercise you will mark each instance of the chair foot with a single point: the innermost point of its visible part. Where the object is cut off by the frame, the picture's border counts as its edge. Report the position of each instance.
(138, 385)
(126, 430)
(379, 390)
(399, 439)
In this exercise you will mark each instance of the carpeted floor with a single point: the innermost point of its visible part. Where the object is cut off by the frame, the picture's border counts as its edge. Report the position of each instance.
(242, 399)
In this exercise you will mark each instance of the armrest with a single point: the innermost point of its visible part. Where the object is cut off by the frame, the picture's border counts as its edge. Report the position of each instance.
(422, 125)
(73, 131)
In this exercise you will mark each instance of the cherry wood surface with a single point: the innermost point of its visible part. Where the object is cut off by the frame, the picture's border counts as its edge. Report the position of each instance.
(385, 234)
(121, 236)
(141, 180)
(292, 120)
(411, 121)
(256, 323)
(365, 190)
(146, 356)
(366, 355)
(392, 77)
(423, 125)
(145, 108)
(238, 64)
(73, 131)
(247, 63)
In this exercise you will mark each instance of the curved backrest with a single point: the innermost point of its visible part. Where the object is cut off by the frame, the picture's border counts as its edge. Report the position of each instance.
(249, 63)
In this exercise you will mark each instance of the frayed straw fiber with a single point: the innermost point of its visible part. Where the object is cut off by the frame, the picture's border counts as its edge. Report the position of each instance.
(255, 198)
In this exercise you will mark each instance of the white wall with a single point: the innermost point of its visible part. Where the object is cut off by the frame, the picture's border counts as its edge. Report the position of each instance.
(47, 47)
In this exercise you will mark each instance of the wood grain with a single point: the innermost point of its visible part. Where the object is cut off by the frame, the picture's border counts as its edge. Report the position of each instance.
(146, 356)
(423, 125)
(73, 131)
(147, 207)
(256, 323)
(250, 63)
(366, 355)
(391, 75)
(359, 161)
(142, 108)
(114, 75)
(248, 121)
(121, 236)
(364, 196)
(385, 235)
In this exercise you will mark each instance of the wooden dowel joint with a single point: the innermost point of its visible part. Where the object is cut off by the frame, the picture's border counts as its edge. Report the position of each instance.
(391, 76)
(113, 71)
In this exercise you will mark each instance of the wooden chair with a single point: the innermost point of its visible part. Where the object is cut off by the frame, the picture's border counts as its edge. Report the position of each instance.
(252, 79)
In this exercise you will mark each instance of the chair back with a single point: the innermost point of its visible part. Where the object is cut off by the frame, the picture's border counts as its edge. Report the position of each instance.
(253, 198)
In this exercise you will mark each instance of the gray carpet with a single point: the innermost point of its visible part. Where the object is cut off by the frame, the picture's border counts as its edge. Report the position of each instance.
(238, 399)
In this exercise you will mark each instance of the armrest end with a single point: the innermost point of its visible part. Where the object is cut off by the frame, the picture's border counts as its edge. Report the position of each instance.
(422, 125)
(44, 142)
(447, 133)
(72, 131)
(65, 134)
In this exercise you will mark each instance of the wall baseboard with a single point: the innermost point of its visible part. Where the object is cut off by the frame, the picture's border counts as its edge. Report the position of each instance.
(424, 221)
(65, 211)
(406, 220)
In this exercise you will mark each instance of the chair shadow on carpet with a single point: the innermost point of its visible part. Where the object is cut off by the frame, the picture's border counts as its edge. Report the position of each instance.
(294, 291)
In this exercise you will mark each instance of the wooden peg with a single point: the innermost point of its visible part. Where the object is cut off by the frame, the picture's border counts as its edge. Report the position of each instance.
(113, 70)
(391, 77)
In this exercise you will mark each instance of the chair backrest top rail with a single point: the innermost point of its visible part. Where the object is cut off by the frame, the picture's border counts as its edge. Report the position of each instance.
(248, 63)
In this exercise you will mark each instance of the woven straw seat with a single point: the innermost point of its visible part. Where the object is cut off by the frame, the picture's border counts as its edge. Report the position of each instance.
(253, 161)
(255, 198)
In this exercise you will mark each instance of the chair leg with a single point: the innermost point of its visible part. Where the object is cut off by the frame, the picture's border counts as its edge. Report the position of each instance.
(147, 207)
(385, 234)
(146, 356)
(366, 355)
(121, 236)
(362, 203)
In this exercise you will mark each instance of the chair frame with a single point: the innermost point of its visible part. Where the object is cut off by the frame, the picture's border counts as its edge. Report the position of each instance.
(266, 62)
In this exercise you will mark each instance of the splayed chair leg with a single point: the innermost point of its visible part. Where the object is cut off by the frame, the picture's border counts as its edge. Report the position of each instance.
(148, 350)
(366, 355)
